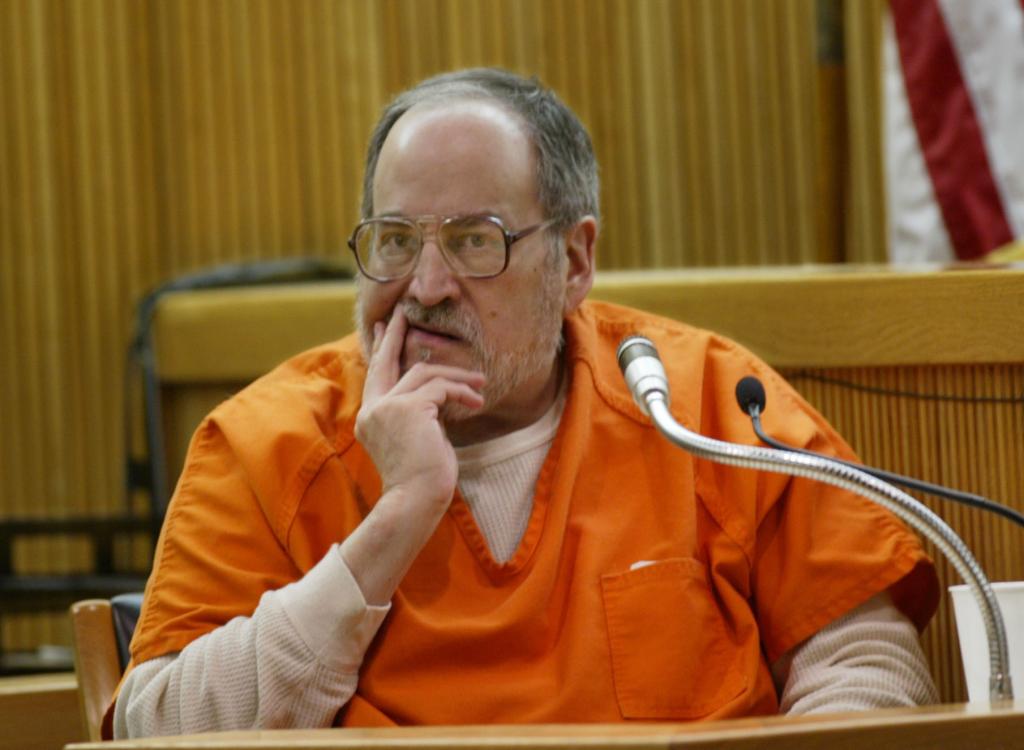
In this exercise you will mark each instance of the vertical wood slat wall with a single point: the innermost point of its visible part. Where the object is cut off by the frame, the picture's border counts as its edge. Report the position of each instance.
(862, 192)
(972, 441)
(141, 139)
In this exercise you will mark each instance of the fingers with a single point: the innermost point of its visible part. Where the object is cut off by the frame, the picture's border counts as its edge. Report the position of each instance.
(432, 396)
(441, 391)
(422, 373)
(389, 346)
(436, 385)
(384, 368)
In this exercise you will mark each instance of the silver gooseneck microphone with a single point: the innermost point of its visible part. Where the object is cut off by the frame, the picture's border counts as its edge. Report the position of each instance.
(645, 375)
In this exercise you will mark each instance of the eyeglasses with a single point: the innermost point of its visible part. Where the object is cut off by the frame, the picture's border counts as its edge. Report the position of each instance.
(475, 247)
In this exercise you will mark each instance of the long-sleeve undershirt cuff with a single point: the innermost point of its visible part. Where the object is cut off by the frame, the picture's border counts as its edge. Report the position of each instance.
(330, 614)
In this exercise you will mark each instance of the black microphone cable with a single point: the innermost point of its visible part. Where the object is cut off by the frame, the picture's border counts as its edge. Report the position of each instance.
(751, 397)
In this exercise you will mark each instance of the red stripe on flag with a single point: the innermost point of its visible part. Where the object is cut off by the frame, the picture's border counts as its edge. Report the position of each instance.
(949, 131)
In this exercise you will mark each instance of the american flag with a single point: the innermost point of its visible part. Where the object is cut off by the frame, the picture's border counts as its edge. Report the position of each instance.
(954, 127)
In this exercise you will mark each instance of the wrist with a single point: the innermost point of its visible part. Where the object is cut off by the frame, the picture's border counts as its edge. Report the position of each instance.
(384, 545)
(421, 498)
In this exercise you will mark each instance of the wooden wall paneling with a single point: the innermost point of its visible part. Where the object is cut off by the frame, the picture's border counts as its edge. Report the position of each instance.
(735, 155)
(702, 134)
(47, 392)
(299, 148)
(752, 138)
(94, 239)
(19, 263)
(31, 349)
(763, 104)
(134, 250)
(799, 92)
(761, 135)
(138, 250)
(266, 39)
(333, 83)
(43, 387)
(314, 159)
(579, 53)
(830, 118)
(208, 166)
(967, 444)
(626, 223)
(654, 102)
(717, 109)
(12, 451)
(769, 124)
(35, 315)
(633, 234)
(11, 460)
(249, 153)
(864, 183)
(1010, 467)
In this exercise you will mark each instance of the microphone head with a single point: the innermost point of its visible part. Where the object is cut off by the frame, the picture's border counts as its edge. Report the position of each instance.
(632, 347)
(750, 393)
(642, 370)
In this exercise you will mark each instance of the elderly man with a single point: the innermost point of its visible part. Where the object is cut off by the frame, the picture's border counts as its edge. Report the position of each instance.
(461, 517)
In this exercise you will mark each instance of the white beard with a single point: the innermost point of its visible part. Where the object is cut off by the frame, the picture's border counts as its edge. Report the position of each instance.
(505, 370)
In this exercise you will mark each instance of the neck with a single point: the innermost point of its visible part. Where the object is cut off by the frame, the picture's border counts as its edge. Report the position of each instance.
(521, 408)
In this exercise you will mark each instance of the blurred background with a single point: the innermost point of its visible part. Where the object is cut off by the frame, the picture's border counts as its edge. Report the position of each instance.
(141, 140)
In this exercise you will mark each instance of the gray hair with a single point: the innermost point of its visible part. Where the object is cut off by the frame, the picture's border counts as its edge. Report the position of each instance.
(567, 179)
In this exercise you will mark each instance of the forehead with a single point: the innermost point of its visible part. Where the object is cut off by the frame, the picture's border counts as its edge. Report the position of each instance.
(466, 156)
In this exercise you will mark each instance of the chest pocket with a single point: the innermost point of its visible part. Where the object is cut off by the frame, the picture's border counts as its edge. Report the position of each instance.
(672, 654)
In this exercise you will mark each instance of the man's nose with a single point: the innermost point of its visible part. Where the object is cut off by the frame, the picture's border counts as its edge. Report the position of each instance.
(433, 280)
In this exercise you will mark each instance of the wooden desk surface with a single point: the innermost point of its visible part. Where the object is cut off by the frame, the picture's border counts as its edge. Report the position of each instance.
(954, 727)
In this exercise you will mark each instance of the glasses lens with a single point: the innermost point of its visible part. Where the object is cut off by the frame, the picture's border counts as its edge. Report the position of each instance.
(475, 245)
(387, 249)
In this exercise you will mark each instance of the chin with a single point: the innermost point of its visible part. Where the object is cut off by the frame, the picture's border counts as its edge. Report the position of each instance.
(411, 356)
(453, 413)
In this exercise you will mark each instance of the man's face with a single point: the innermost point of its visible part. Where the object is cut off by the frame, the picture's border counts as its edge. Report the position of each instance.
(470, 157)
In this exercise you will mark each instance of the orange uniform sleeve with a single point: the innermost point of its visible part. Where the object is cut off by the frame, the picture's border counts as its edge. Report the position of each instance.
(218, 551)
(816, 551)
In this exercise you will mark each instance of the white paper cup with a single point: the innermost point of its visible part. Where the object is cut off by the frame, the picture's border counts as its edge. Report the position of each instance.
(974, 643)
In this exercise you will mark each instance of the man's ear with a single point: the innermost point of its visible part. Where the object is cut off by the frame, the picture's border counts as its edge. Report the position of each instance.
(580, 240)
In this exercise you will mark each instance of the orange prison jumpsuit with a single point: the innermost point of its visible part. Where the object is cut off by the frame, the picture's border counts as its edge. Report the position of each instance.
(746, 565)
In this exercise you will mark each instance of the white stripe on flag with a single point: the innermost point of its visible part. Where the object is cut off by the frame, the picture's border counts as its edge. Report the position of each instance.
(916, 230)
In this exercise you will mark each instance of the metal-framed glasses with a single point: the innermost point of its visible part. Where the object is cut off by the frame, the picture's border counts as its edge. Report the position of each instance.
(477, 247)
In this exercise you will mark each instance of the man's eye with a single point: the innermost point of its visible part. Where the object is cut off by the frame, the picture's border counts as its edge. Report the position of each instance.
(394, 239)
(470, 241)
(395, 244)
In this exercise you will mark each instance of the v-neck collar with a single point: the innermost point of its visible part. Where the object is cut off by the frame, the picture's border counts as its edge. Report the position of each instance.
(553, 491)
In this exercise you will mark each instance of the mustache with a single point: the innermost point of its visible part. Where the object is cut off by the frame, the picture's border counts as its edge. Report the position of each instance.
(445, 317)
